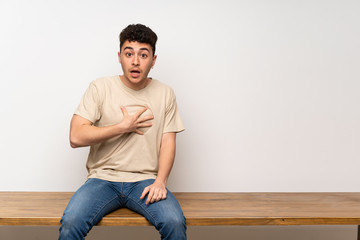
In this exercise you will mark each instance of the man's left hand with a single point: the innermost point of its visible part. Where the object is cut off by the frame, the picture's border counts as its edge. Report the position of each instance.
(156, 192)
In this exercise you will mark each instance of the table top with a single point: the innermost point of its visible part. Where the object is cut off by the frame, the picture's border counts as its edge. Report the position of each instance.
(46, 209)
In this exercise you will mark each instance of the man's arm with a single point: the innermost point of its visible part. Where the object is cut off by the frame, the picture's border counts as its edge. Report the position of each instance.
(157, 191)
(84, 133)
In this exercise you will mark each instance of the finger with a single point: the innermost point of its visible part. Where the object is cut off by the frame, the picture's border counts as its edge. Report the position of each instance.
(156, 197)
(146, 190)
(147, 118)
(124, 111)
(142, 125)
(150, 196)
(139, 132)
(160, 197)
(141, 111)
(164, 195)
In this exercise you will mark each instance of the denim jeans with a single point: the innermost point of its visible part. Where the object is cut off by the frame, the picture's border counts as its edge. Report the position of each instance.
(97, 198)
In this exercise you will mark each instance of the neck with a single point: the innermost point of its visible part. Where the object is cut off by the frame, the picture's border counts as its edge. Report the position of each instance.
(135, 86)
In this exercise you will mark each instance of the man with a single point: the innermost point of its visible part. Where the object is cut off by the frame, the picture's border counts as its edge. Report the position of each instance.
(130, 122)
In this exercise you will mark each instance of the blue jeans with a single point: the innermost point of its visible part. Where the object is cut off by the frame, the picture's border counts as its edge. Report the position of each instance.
(97, 197)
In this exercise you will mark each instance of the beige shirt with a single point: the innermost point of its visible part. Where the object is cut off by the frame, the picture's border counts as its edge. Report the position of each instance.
(129, 157)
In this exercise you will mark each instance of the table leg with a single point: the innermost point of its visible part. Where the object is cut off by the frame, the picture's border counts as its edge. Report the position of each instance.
(358, 238)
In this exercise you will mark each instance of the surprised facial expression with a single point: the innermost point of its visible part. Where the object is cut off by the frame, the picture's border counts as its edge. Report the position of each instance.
(136, 60)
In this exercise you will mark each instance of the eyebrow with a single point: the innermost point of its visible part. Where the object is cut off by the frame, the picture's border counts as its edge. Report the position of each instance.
(146, 49)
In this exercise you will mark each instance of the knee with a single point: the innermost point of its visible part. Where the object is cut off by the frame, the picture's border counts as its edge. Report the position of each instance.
(73, 227)
(178, 221)
(173, 226)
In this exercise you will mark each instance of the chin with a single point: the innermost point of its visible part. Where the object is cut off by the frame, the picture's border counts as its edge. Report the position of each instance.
(133, 80)
(136, 80)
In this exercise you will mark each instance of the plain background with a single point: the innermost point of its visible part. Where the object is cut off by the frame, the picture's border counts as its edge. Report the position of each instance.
(268, 92)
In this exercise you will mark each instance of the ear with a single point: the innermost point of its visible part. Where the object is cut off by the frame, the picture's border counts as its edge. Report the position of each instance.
(119, 54)
(154, 60)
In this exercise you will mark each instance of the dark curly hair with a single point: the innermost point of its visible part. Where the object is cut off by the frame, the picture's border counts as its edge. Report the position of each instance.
(138, 33)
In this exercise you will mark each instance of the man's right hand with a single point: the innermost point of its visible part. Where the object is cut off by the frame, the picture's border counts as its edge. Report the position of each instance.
(132, 123)
(83, 133)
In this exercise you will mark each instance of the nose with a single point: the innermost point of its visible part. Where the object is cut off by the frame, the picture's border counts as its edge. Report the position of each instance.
(135, 60)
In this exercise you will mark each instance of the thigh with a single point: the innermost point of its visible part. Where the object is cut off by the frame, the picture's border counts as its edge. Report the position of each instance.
(92, 201)
(166, 210)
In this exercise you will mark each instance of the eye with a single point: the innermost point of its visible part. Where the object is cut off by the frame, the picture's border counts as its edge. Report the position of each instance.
(128, 54)
(143, 55)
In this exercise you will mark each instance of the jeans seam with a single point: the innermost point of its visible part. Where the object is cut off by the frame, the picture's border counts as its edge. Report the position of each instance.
(119, 194)
(149, 213)
(97, 213)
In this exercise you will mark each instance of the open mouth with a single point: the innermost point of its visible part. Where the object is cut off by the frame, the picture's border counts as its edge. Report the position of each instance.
(135, 73)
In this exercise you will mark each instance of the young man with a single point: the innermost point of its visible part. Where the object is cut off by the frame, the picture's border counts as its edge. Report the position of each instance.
(130, 122)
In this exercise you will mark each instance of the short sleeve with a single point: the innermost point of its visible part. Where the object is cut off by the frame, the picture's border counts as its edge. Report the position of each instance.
(90, 104)
(173, 122)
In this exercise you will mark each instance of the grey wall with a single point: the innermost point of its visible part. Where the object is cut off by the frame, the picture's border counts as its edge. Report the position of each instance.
(198, 233)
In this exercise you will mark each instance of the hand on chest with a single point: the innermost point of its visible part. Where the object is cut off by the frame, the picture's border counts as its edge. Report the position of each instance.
(112, 114)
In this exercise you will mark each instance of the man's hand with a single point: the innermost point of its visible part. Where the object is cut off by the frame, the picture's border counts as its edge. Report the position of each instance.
(156, 192)
(84, 133)
(132, 123)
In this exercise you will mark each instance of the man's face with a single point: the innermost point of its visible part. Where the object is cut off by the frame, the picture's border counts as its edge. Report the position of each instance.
(136, 60)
